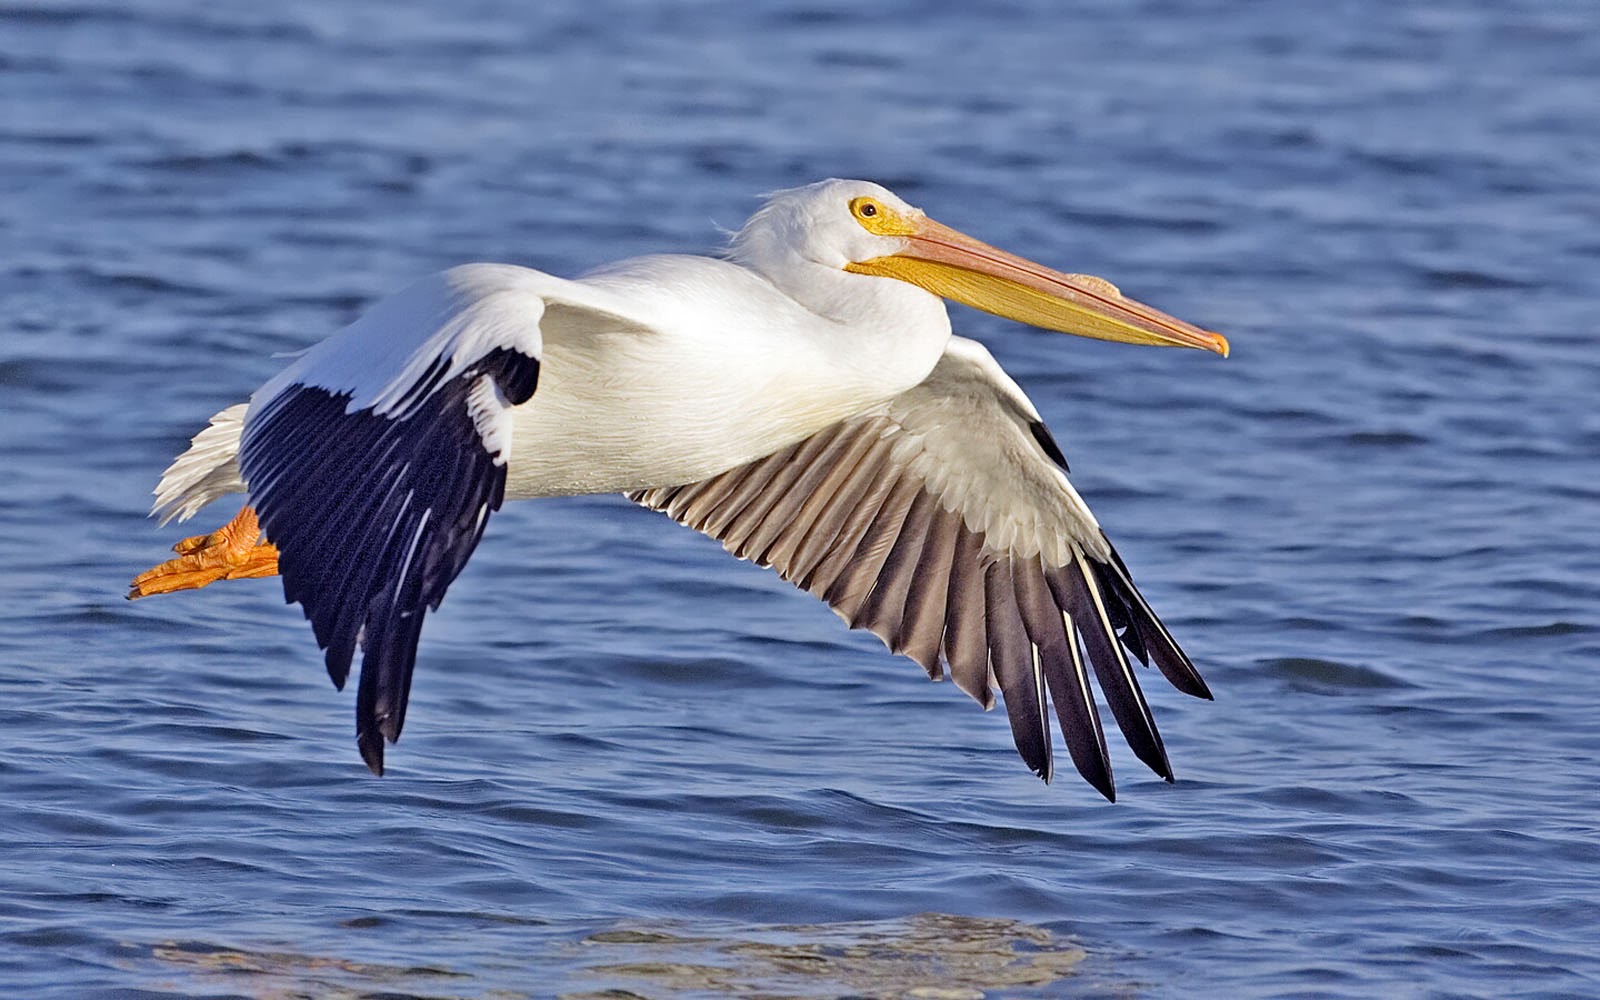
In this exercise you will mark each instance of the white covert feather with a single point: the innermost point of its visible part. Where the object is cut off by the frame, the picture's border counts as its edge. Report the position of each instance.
(992, 470)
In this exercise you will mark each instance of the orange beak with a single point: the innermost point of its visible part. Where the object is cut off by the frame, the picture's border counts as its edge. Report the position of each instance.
(955, 266)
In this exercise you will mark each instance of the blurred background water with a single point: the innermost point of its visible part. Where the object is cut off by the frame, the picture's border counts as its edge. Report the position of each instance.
(636, 766)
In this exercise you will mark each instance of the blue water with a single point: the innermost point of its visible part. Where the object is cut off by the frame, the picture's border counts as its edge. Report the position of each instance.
(633, 765)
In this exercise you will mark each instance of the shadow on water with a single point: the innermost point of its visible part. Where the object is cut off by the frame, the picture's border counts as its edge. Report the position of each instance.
(930, 956)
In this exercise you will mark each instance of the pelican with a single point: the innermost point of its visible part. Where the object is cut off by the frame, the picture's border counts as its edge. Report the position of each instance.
(800, 398)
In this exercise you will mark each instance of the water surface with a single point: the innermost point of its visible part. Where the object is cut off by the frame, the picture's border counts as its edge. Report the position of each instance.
(631, 762)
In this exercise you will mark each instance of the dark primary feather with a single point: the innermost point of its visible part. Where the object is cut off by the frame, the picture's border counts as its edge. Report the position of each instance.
(1061, 657)
(1152, 636)
(1085, 603)
(1047, 441)
(836, 516)
(374, 516)
(1011, 657)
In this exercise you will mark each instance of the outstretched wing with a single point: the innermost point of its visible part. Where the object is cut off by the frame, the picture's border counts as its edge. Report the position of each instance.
(943, 521)
(375, 460)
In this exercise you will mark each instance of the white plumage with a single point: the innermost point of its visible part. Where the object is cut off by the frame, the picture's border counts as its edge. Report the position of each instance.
(803, 401)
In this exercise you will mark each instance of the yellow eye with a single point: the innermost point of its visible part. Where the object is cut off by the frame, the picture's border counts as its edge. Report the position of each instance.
(877, 218)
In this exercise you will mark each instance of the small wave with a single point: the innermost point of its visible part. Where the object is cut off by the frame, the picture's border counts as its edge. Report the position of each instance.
(1468, 278)
(1384, 439)
(1322, 675)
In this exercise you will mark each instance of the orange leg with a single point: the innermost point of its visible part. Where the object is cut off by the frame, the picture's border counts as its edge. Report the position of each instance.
(235, 551)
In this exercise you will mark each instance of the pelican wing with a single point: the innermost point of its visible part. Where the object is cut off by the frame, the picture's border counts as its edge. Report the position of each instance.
(376, 458)
(943, 521)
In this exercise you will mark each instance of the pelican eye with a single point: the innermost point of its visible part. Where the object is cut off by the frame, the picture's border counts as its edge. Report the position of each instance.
(866, 208)
(875, 217)
(880, 219)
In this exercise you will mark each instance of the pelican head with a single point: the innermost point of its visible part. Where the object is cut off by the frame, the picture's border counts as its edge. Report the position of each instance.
(864, 228)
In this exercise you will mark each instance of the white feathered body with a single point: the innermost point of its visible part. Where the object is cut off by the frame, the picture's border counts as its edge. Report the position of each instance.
(719, 368)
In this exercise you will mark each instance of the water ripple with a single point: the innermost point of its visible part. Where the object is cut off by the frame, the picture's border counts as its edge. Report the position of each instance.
(641, 769)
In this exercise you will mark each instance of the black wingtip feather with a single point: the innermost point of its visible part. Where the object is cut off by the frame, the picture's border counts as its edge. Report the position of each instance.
(1011, 655)
(374, 516)
(337, 661)
(370, 743)
(1072, 586)
(1147, 630)
(1067, 684)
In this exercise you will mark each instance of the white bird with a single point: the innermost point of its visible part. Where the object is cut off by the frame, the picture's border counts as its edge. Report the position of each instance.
(801, 399)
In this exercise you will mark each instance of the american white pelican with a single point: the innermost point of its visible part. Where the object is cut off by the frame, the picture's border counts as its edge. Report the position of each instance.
(802, 400)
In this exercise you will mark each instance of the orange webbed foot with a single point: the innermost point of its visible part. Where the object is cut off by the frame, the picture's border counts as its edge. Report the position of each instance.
(235, 551)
